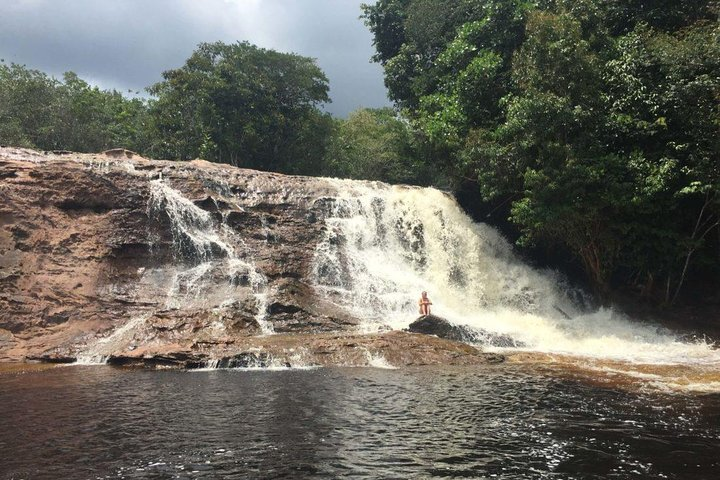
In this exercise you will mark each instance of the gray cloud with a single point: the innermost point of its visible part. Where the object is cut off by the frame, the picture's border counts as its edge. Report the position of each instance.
(126, 44)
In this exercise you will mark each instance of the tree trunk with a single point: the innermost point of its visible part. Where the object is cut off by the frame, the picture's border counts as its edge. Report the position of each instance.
(594, 267)
(648, 287)
(695, 240)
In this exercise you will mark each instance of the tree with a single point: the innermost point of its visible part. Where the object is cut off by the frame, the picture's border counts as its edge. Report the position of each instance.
(411, 36)
(664, 103)
(375, 144)
(239, 104)
(42, 112)
(27, 100)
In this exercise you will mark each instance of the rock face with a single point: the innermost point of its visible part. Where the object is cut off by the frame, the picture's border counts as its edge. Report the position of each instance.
(115, 256)
(433, 325)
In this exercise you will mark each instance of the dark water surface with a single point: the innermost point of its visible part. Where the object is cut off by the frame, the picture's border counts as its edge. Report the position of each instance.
(483, 422)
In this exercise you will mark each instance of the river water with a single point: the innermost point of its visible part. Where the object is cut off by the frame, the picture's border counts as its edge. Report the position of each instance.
(506, 421)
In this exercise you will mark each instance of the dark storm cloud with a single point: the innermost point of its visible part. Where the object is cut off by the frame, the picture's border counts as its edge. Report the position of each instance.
(126, 44)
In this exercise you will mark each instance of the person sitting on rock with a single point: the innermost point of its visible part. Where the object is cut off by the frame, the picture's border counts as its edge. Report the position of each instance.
(424, 304)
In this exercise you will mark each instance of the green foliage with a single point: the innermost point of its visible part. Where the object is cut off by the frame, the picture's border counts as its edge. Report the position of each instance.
(597, 122)
(40, 111)
(26, 101)
(423, 44)
(239, 104)
(385, 19)
(375, 144)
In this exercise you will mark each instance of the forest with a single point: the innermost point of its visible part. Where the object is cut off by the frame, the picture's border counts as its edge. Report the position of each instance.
(585, 128)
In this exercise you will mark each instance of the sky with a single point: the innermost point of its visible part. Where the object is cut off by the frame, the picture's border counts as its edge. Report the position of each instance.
(127, 44)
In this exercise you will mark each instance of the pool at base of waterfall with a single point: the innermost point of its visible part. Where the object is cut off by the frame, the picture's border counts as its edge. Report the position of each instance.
(505, 421)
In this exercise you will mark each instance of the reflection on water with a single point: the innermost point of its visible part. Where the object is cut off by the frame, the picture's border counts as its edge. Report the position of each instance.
(503, 421)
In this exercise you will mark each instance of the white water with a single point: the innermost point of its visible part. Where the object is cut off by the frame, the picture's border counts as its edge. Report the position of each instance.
(193, 229)
(206, 247)
(207, 271)
(385, 244)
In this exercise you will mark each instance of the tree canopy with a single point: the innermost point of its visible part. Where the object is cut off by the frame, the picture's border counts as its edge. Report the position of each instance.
(377, 144)
(240, 104)
(596, 123)
(39, 111)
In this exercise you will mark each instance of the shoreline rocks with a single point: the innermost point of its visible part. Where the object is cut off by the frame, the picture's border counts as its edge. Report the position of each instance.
(386, 350)
(434, 325)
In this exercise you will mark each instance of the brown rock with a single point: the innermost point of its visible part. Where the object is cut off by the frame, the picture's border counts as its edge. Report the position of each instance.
(390, 349)
(95, 258)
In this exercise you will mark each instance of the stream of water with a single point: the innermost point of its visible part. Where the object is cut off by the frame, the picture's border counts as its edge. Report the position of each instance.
(385, 244)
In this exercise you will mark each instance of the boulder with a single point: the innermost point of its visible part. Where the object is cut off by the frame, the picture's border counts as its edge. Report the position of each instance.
(434, 325)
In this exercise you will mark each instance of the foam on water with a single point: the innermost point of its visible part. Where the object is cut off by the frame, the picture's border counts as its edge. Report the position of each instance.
(377, 360)
(259, 363)
(385, 244)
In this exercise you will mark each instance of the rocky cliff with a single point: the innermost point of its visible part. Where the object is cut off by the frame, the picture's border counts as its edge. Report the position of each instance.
(143, 262)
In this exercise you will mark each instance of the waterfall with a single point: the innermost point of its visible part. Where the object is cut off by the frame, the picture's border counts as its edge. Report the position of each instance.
(193, 229)
(385, 244)
(381, 246)
(211, 272)
(207, 272)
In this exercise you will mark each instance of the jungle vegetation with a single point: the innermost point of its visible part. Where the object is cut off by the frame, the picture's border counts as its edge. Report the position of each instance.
(593, 125)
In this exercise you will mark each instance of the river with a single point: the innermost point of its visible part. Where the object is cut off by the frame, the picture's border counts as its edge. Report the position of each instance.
(507, 421)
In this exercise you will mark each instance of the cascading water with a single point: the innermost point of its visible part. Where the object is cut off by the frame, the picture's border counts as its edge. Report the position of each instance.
(385, 244)
(98, 352)
(207, 272)
(215, 271)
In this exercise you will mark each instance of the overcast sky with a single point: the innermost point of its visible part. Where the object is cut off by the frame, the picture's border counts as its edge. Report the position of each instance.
(127, 44)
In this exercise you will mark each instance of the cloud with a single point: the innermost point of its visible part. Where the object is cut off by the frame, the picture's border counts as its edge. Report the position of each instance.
(126, 44)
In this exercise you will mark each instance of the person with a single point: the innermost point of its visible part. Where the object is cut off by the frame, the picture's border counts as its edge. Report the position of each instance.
(424, 304)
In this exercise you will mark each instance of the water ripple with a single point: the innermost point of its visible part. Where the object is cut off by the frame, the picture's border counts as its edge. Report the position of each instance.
(505, 421)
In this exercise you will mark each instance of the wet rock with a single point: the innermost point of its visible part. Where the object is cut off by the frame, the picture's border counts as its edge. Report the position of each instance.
(99, 255)
(51, 358)
(291, 313)
(434, 325)
(7, 341)
(212, 204)
(387, 350)
(117, 153)
(80, 247)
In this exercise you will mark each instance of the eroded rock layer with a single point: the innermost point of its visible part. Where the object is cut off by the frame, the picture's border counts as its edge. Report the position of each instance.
(152, 262)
